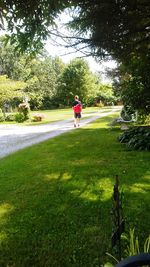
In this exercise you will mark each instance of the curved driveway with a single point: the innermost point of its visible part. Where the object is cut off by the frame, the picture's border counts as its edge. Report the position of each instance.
(13, 137)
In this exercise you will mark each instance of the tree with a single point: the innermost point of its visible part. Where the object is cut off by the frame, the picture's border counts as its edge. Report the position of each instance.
(28, 21)
(133, 84)
(76, 80)
(42, 86)
(116, 28)
(41, 73)
(8, 58)
(10, 90)
(13, 64)
(119, 29)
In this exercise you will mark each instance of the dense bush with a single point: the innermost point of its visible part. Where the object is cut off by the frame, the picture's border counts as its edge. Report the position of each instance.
(24, 108)
(137, 138)
(10, 117)
(19, 117)
(1, 117)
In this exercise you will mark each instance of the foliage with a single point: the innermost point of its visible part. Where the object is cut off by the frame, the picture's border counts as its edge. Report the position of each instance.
(105, 94)
(28, 23)
(9, 90)
(50, 84)
(42, 87)
(40, 73)
(132, 246)
(77, 80)
(8, 58)
(137, 138)
(111, 29)
(133, 82)
(24, 108)
(2, 118)
(10, 117)
(121, 32)
(19, 117)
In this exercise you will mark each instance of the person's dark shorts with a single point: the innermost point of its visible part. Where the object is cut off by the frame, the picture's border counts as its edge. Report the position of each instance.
(77, 115)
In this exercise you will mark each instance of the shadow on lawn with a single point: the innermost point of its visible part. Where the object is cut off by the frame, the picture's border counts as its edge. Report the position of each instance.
(56, 212)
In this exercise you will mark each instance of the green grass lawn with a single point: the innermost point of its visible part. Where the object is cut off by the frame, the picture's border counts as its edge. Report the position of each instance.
(55, 198)
(57, 114)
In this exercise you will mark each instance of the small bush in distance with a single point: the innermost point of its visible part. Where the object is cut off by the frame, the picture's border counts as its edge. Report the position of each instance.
(10, 117)
(19, 117)
(25, 109)
(2, 118)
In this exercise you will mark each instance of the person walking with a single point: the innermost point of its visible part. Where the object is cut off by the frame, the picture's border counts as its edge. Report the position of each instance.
(77, 108)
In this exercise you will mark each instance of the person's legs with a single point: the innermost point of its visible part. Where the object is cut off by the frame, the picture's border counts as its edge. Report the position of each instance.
(75, 119)
(78, 119)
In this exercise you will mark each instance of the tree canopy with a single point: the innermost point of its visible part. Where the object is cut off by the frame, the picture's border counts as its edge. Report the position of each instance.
(49, 83)
(116, 28)
(119, 29)
(9, 90)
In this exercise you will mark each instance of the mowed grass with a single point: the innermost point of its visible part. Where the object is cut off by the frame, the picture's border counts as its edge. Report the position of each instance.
(57, 115)
(56, 198)
(62, 114)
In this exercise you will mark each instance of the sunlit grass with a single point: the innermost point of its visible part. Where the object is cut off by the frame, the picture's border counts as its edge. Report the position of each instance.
(56, 198)
(58, 114)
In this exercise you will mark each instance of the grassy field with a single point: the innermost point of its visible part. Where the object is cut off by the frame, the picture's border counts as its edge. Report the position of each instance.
(55, 198)
(57, 114)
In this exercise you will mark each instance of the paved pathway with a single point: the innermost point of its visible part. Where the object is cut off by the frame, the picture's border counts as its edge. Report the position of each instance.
(13, 137)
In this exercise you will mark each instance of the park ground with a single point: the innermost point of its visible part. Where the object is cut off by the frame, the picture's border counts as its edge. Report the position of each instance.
(56, 198)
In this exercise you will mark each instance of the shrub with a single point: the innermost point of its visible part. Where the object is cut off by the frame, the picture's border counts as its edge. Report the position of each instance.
(19, 117)
(38, 117)
(25, 109)
(100, 104)
(137, 138)
(2, 117)
(10, 117)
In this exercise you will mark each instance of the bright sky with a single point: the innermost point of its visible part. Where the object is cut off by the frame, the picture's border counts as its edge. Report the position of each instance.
(66, 54)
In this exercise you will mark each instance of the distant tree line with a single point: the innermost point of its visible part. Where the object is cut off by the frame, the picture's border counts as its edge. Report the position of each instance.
(118, 29)
(46, 82)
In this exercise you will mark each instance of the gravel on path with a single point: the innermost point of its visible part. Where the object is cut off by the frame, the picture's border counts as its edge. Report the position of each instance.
(14, 138)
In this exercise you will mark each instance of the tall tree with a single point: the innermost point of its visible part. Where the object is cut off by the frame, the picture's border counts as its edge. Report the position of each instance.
(76, 80)
(43, 82)
(10, 90)
(118, 28)
(28, 21)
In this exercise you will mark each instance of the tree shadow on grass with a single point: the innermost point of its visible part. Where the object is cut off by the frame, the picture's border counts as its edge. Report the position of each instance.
(56, 206)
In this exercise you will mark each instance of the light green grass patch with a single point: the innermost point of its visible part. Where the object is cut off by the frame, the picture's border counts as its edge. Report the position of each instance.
(56, 198)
